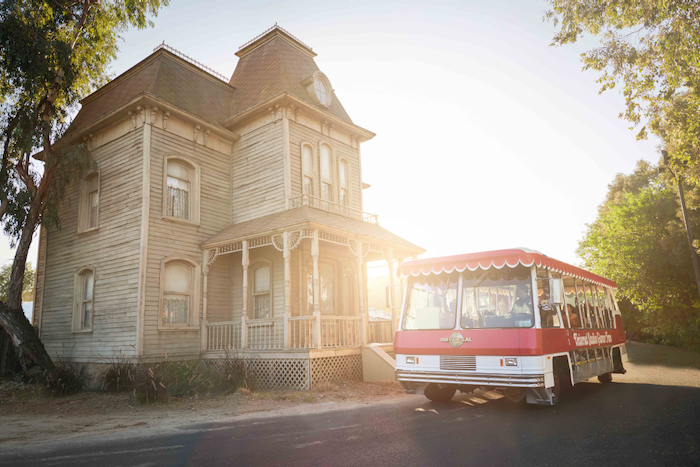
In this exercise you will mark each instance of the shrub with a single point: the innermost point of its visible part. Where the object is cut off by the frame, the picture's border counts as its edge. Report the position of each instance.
(120, 375)
(67, 378)
(238, 372)
(191, 377)
(151, 385)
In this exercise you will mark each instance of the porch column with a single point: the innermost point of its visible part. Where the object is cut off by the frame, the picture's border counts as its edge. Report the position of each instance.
(244, 317)
(203, 320)
(392, 297)
(287, 289)
(364, 322)
(317, 291)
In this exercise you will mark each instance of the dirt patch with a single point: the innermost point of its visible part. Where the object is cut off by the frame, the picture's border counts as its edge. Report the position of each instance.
(28, 413)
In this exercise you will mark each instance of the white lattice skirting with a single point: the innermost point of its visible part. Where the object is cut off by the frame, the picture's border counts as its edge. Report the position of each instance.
(300, 373)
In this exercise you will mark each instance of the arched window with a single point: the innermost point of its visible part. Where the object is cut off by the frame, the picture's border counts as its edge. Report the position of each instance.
(326, 171)
(321, 91)
(307, 167)
(88, 209)
(178, 294)
(181, 194)
(343, 182)
(83, 298)
(262, 292)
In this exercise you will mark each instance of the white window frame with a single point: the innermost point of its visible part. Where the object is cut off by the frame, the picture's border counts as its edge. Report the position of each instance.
(194, 198)
(196, 279)
(331, 170)
(344, 160)
(259, 263)
(313, 168)
(79, 301)
(83, 203)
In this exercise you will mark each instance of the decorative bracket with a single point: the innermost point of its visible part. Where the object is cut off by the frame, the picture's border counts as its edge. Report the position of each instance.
(352, 244)
(166, 115)
(196, 132)
(206, 136)
(294, 240)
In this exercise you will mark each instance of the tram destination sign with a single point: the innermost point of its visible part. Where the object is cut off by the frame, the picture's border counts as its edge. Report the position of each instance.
(592, 338)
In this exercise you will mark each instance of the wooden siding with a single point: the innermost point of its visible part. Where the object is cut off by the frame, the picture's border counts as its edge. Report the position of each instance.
(167, 238)
(299, 134)
(257, 166)
(219, 285)
(112, 250)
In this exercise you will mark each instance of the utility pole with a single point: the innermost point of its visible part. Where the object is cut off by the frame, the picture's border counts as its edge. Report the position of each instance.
(688, 230)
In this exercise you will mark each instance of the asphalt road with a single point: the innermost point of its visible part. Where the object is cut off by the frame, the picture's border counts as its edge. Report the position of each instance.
(625, 423)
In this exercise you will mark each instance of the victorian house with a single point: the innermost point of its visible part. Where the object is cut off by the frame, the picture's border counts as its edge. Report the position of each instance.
(221, 216)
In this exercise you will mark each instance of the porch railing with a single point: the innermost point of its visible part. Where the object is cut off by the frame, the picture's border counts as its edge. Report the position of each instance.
(224, 335)
(266, 334)
(380, 332)
(301, 332)
(335, 208)
(340, 331)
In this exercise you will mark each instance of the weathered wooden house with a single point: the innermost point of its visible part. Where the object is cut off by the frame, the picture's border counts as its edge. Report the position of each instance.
(222, 216)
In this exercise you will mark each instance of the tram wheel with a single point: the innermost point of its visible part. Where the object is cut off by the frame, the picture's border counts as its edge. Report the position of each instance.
(515, 395)
(605, 378)
(437, 394)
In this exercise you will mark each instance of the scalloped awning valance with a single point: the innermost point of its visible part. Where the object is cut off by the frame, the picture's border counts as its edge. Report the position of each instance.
(497, 259)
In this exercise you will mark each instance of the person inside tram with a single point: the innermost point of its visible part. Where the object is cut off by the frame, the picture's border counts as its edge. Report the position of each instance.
(523, 301)
(573, 316)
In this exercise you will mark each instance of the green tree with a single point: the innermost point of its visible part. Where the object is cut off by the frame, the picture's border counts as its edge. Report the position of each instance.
(52, 53)
(651, 47)
(27, 283)
(638, 240)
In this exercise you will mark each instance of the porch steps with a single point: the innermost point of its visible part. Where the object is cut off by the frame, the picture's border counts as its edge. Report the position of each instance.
(377, 364)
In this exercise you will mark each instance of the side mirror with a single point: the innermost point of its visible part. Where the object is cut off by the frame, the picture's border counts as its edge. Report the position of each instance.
(555, 295)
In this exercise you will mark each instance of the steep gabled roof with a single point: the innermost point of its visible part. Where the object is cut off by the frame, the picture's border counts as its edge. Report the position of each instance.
(164, 76)
(274, 64)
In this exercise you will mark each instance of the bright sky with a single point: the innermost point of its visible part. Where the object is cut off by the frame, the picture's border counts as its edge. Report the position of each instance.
(487, 137)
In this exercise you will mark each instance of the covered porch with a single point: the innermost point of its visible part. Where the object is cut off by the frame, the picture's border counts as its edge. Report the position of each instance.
(294, 284)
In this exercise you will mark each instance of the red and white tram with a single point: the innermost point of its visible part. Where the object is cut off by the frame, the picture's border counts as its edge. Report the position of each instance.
(513, 320)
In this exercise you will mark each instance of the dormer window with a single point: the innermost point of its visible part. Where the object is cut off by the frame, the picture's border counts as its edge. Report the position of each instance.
(320, 88)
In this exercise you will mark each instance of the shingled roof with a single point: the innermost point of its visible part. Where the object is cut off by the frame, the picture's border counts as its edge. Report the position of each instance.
(167, 77)
(273, 64)
(301, 218)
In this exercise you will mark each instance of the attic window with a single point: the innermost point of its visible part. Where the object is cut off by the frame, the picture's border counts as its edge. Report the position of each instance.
(320, 88)
(321, 93)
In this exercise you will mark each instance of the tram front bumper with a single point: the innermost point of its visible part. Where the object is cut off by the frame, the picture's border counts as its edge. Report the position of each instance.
(482, 379)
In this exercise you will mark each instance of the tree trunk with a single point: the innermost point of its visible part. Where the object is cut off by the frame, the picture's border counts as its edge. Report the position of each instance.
(30, 350)
(4, 349)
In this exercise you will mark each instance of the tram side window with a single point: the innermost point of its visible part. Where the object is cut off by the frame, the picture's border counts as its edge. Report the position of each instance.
(611, 306)
(548, 311)
(605, 307)
(497, 299)
(570, 308)
(432, 303)
(592, 308)
(581, 304)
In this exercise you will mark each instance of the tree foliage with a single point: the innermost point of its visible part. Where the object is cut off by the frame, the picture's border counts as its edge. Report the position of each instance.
(27, 283)
(638, 240)
(651, 47)
(52, 54)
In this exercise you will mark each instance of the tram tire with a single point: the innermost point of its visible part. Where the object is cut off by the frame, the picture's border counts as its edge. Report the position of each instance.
(437, 394)
(515, 395)
(605, 378)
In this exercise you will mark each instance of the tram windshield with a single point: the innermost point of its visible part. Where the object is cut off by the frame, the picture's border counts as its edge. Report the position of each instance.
(497, 299)
(432, 303)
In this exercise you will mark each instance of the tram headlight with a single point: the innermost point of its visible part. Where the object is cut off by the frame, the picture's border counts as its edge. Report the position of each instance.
(511, 361)
(410, 359)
